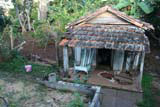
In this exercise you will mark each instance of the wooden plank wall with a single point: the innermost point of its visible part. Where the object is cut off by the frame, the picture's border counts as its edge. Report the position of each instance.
(118, 61)
(65, 59)
(107, 18)
(126, 61)
(77, 55)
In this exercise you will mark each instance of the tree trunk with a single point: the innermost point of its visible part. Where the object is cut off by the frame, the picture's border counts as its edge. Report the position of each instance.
(28, 20)
(42, 10)
(57, 53)
(11, 38)
(20, 21)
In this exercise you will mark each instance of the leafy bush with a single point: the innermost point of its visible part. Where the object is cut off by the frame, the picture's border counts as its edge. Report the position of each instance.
(137, 8)
(76, 102)
(148, 99)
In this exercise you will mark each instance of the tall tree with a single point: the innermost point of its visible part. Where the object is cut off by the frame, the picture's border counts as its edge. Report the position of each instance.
(42, 10)
(23, 11)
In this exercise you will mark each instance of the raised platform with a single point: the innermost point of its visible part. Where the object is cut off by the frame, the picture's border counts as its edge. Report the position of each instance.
(95, 79)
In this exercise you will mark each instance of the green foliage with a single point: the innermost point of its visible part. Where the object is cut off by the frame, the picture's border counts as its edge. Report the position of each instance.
(34, 12)
(62, 12)
(44, 32)
(147, 8)
(11, 27)
(122, 4)
(17, 62)
(76, 102)
(138, 8)
(5, 45)
(148, 99)
(2, 20)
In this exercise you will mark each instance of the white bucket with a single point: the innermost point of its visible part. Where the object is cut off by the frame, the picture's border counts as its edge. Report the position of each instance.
(28, 68)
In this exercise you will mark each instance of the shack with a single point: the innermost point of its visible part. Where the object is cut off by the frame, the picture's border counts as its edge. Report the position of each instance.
(110, 36)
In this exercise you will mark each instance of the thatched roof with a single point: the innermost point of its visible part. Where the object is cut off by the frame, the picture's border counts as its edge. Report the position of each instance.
(130, 37)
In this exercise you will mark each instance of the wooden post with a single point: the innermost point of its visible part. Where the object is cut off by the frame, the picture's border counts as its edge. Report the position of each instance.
(136, 61)
(128, 62)
(141, 68)
(112, 57)
(77, 55)
(11, 37)
(65, 59)
(95, 58)
(84, 57)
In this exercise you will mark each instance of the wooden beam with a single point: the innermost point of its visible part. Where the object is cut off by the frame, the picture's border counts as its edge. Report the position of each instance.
(65, 59)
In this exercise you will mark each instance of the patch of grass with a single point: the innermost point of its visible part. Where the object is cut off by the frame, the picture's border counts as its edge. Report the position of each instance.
(79, 80)
(148, 98)
(17, 63)
(158, 93)
(76, 102)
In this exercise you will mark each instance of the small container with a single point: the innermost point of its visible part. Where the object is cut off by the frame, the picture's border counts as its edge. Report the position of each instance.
(52, 77)
(28, 68)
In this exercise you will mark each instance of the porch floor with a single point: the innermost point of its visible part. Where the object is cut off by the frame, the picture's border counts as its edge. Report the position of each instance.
(95, 79)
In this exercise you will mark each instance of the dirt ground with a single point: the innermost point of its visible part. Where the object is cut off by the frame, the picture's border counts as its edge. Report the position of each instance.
(32, 47)
(22, 91)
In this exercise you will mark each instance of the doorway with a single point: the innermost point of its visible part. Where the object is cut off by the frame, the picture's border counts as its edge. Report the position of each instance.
(104, 57)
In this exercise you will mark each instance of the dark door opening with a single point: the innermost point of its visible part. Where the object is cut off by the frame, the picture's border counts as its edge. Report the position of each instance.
(104, 57)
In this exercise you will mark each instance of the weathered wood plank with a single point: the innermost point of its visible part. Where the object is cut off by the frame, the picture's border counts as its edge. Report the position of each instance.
(95, 59)
(128, 63)
(141, 68)
(84, 57)
(112, 58)
(118, 60)
(136, 61)
(77, 55)
(107, 18)
(65, 59)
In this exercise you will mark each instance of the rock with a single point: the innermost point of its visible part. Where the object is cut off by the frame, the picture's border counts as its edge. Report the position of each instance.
(123, 79)
(157, 57)
(156, 84)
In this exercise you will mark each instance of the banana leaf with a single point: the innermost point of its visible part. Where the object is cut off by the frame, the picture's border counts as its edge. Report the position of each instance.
(146, 7)
(123, 4)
